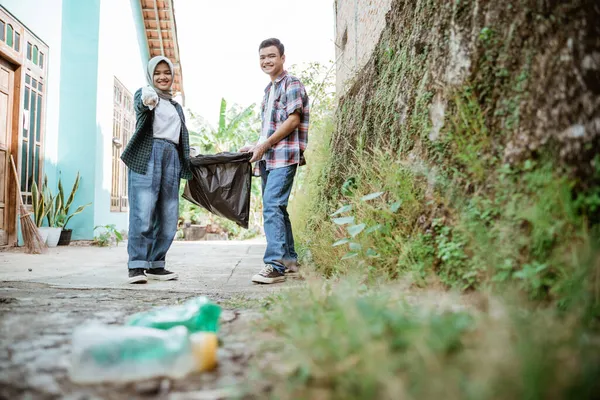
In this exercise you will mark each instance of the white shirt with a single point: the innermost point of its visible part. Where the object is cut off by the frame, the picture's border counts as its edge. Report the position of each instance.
(268, 112)
(167, 124)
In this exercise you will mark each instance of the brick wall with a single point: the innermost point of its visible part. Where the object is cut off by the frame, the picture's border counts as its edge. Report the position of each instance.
(359, 24)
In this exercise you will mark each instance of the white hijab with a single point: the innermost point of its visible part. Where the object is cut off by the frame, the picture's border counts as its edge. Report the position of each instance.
(152, 64)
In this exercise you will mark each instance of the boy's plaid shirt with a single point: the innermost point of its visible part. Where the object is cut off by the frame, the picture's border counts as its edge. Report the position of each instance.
(290, 96)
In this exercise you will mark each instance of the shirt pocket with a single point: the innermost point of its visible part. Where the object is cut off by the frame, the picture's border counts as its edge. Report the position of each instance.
(279, 110)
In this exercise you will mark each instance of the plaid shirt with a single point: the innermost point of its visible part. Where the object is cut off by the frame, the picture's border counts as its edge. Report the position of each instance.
(137, 152)
(290, 96)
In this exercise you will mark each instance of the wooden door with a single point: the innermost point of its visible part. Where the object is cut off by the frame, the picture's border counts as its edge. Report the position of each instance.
(6, 108)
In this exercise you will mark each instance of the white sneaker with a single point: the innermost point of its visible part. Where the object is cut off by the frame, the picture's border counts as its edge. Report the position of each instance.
(268, 275)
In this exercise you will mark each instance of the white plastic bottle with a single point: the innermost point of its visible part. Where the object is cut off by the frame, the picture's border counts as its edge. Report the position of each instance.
(105, 353)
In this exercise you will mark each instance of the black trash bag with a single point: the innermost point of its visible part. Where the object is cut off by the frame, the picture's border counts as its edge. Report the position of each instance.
(221, 184)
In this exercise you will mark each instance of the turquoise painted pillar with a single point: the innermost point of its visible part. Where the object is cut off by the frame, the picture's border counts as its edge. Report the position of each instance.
(77, 116)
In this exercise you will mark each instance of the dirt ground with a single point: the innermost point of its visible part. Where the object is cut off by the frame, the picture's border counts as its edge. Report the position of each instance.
(43, 298)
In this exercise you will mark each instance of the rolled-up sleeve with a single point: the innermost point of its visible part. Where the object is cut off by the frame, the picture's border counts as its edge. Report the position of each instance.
(296, 98)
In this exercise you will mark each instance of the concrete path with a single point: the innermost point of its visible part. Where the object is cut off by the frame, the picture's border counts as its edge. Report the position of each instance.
(217, 267)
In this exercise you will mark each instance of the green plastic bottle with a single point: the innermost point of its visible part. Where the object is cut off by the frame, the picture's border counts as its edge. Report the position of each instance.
(111, 353)
(197, 315)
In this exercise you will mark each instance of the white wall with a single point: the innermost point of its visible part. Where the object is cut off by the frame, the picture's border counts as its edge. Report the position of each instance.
(119, 56)
(44, 19)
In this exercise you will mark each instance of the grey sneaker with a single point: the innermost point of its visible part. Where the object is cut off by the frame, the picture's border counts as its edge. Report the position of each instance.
(268, 275)
(161, 274)
(136, 275)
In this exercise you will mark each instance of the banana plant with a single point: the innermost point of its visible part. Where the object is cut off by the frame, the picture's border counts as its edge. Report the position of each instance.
(236, 127)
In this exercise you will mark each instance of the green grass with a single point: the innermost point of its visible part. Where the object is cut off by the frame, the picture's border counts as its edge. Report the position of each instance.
(244, 302)
(344, 340)
(385, 200)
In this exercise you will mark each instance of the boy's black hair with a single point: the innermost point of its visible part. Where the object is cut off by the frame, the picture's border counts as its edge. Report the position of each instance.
(272, 42)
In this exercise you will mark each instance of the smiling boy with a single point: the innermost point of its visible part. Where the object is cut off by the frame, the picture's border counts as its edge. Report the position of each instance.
(278, 153)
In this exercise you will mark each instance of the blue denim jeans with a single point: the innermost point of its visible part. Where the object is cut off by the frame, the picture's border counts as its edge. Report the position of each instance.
(154, 207)
(276, 188)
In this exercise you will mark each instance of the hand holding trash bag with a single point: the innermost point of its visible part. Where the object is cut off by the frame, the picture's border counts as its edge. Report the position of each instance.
(221, 184)
(258, 151)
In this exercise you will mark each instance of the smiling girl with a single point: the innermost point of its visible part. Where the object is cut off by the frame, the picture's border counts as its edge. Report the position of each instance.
(158, 156)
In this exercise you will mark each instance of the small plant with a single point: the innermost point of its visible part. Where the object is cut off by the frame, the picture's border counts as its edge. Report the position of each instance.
(454, 269)
(40, 210)
(53, 207)
(63, 217)
(108, 235)
(354, 228)
(53, 203)
(588, 201)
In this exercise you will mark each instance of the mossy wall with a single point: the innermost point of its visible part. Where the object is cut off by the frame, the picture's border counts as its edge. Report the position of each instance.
(482, 119)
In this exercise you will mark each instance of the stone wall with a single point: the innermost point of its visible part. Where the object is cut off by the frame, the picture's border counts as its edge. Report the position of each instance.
(532, 70)
(359, 24)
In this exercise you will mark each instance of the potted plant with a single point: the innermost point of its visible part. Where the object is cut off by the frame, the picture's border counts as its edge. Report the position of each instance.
(40, 211)
(54, 205)
(63, 217)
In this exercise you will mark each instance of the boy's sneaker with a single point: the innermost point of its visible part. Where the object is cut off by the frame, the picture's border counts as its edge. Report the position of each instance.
(268, 275)
(161, 274)
(291, 267)
(136, 275)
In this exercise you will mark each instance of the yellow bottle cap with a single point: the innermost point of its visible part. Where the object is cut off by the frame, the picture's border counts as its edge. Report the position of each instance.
(204, 347)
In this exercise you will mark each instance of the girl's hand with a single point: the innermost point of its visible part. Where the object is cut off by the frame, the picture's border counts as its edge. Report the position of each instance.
(149, 97)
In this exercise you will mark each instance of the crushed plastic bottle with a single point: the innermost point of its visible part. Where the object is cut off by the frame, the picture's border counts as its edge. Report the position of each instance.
(197, 315)
(120, 354)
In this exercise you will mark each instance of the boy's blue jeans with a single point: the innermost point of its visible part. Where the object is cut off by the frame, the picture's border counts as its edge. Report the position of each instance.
(154, 207)
(276, 188)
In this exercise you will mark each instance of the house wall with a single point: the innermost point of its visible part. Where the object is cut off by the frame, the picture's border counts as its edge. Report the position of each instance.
(90, 43)
(120, 55)
(44, 19)
(358, 25)
(78, 103)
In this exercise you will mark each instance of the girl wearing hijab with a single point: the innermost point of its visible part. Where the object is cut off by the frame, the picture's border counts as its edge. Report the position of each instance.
(158, 156)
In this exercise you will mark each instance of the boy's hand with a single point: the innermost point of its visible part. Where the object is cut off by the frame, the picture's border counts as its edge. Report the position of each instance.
(149, 97)
(258, 151)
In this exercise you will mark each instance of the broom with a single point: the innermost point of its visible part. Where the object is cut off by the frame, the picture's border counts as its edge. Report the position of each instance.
(31, 235)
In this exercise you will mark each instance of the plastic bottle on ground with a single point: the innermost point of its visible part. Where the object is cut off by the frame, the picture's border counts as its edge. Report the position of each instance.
(197, 315)
(107, 353)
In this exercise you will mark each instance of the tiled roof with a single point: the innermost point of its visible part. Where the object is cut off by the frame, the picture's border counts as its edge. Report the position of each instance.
(161, 35)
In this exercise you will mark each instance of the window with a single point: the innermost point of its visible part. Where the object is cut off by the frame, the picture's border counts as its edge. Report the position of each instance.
(123, 124)
(31, 145)
(9, 35)
(35, 55)
(29, 154)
